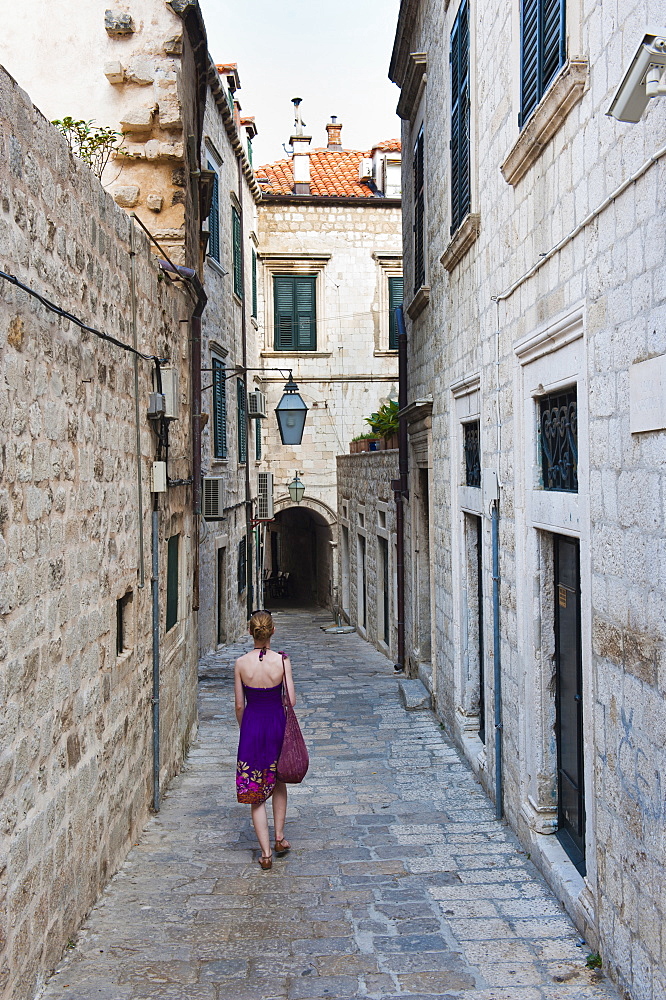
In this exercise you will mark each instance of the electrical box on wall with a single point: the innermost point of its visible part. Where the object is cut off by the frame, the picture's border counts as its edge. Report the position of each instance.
(489, 488)
(158, 477)
(170, 392)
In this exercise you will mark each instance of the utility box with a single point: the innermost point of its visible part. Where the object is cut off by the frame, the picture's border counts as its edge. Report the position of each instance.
(265, 505)
(170, 392)
(158, 477)
(212, 500)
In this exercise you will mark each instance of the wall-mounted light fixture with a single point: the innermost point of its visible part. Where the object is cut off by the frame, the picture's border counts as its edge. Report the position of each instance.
(642, 80)
(296, 489)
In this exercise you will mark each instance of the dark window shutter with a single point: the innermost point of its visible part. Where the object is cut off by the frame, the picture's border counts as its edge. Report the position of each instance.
(172, 582)
(396, 286)
(241, 420)
(219, 409)
(254, 283)
(419, 212)
(242, 564)
(304, 301)
(295, 313)
(237, 254)
(542, 50)
(214, 218)
(257, 439)
(283, 291)
(460, 104)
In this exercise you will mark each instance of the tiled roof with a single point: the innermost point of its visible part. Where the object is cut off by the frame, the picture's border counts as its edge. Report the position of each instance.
(333, 173)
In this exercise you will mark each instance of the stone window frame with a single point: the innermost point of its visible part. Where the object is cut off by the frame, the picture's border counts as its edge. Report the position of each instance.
(214, 157)
(305, 264)
(126, 614)
(414, 111)
(215, 350)
(389, 265)
(549, 358)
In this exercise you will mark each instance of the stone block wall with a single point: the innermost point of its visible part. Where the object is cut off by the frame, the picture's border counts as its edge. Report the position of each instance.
(366, 510)
(75, 710)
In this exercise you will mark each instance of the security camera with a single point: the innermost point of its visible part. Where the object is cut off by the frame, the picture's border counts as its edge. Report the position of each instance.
(642, 80)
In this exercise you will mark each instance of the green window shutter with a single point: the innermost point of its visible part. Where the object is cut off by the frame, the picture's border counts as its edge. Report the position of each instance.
(396, 286)
(214, 218)
(460, 106)
(172, 582)
(242, 420)
(257, 439)
(254, 283)
(295, 313)
(283, 293)
(219, 409)
(304, 300)
(418, 173)
(242, 566)
(237, 254)
(542, 50)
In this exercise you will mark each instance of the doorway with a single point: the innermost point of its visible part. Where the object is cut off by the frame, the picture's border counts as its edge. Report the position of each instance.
(301, 559)
(423, 568)
(221, 631)
(569, 700)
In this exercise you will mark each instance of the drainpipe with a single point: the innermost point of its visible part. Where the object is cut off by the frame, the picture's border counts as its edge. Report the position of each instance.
(399, 486)
(494, 526)
(155, 586)
(249, 574)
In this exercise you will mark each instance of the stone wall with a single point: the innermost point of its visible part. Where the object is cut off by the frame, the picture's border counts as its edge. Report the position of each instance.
(75, 715)
(366, 514)
(589, 312)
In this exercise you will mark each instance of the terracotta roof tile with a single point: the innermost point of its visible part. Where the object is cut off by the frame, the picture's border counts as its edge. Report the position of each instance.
(333, 173)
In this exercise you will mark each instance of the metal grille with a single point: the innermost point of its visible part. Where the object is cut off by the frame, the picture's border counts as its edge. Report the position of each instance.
(558, 433)
(472, 454)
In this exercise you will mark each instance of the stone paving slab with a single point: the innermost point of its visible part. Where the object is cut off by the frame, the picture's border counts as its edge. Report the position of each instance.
(400, 883)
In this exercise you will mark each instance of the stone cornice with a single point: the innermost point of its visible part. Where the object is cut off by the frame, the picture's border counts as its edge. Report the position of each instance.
(419, 302)
(563, 94)
(462, 241)
(564, 330)
(403, 37)
(220, 98)
(415, 77)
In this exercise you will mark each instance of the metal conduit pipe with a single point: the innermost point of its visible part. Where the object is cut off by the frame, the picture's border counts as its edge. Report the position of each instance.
(399, 486)
(494, 526)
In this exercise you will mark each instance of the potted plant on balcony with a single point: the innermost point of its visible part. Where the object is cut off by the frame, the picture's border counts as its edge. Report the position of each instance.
(384, 423)
(364, 442)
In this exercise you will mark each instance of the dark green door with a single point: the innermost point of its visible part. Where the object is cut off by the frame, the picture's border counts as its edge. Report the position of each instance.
(569, 700)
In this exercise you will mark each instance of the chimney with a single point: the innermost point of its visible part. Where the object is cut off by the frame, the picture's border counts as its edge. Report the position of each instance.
(300, 144)
(334, 134)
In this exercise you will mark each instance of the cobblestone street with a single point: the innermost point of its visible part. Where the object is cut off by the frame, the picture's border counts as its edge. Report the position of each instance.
(399, 883)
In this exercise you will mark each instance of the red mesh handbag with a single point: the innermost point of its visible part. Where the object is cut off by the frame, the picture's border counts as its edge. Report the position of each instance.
(293, 762)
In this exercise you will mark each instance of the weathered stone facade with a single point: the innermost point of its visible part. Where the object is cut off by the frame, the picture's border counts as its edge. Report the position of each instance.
(75, 544)
(367, 548)
(502, 321)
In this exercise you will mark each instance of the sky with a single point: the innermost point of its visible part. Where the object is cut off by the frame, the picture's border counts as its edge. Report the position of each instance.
(334, 55)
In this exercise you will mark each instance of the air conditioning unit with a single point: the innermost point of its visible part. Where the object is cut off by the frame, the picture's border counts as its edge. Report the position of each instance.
(212, 499)
(265, 505)
(256, 403)
(365, 169)
(170, 391)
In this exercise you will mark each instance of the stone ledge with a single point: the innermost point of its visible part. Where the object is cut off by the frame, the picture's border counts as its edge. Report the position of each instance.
(414, 696)
(564, 93)
(462, 241)
(419, 302)
(417, 64)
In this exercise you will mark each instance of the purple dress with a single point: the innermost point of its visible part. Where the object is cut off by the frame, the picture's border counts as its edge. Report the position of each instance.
(261, 736)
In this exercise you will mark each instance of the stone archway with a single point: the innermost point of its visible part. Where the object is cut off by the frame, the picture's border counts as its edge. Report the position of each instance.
(301, 542)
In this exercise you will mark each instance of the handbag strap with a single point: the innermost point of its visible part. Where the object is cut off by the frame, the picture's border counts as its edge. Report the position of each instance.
(285, 698)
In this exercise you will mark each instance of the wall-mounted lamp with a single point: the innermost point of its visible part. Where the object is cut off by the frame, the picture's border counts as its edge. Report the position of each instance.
(642, 80)
(296, 489)
(291, 412)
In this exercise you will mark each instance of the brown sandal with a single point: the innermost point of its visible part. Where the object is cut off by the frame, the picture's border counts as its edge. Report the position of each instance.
(266, 862)
(282, 846)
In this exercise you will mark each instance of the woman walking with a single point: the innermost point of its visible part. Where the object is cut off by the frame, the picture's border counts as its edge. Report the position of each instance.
(258, 680)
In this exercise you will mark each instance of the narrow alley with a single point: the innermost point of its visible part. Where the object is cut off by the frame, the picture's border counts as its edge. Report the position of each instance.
(400, 882)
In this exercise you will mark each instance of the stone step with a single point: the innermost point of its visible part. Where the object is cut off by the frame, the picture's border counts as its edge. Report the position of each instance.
(414, 695)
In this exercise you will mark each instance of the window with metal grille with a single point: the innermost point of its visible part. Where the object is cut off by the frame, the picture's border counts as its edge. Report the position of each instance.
(472, 449)
(241, 414)
(257, 440)
(172, 582)
(558, 440)
(542, 50)
(242, 565)
(419, 212)
(396, 287)
(254, 284)
(460, 108)
(219, 409)
(295, 312)
(237, 253)
(214, 217)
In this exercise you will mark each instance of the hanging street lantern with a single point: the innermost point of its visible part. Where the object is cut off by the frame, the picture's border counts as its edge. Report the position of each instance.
(296, 489)
(291, 412)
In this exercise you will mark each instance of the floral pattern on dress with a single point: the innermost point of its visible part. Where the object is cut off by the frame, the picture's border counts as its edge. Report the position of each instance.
(254, 786)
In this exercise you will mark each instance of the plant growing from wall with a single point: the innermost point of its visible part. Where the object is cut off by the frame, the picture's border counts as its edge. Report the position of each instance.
(92, 143)
(384, 423)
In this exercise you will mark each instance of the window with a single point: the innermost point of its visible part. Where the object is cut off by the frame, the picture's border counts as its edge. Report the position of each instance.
(542, 50)
(419, 213)
(459, 59)
(558, 436)
(257, 439)
(395, 299)
(219, 409)
(237, 253)
(254, 284)
(249, 151)
(172, 582)
(241, 414)
(295, 313)
(214, 217)
(472, 453)
(242, 566)
(123, 623)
